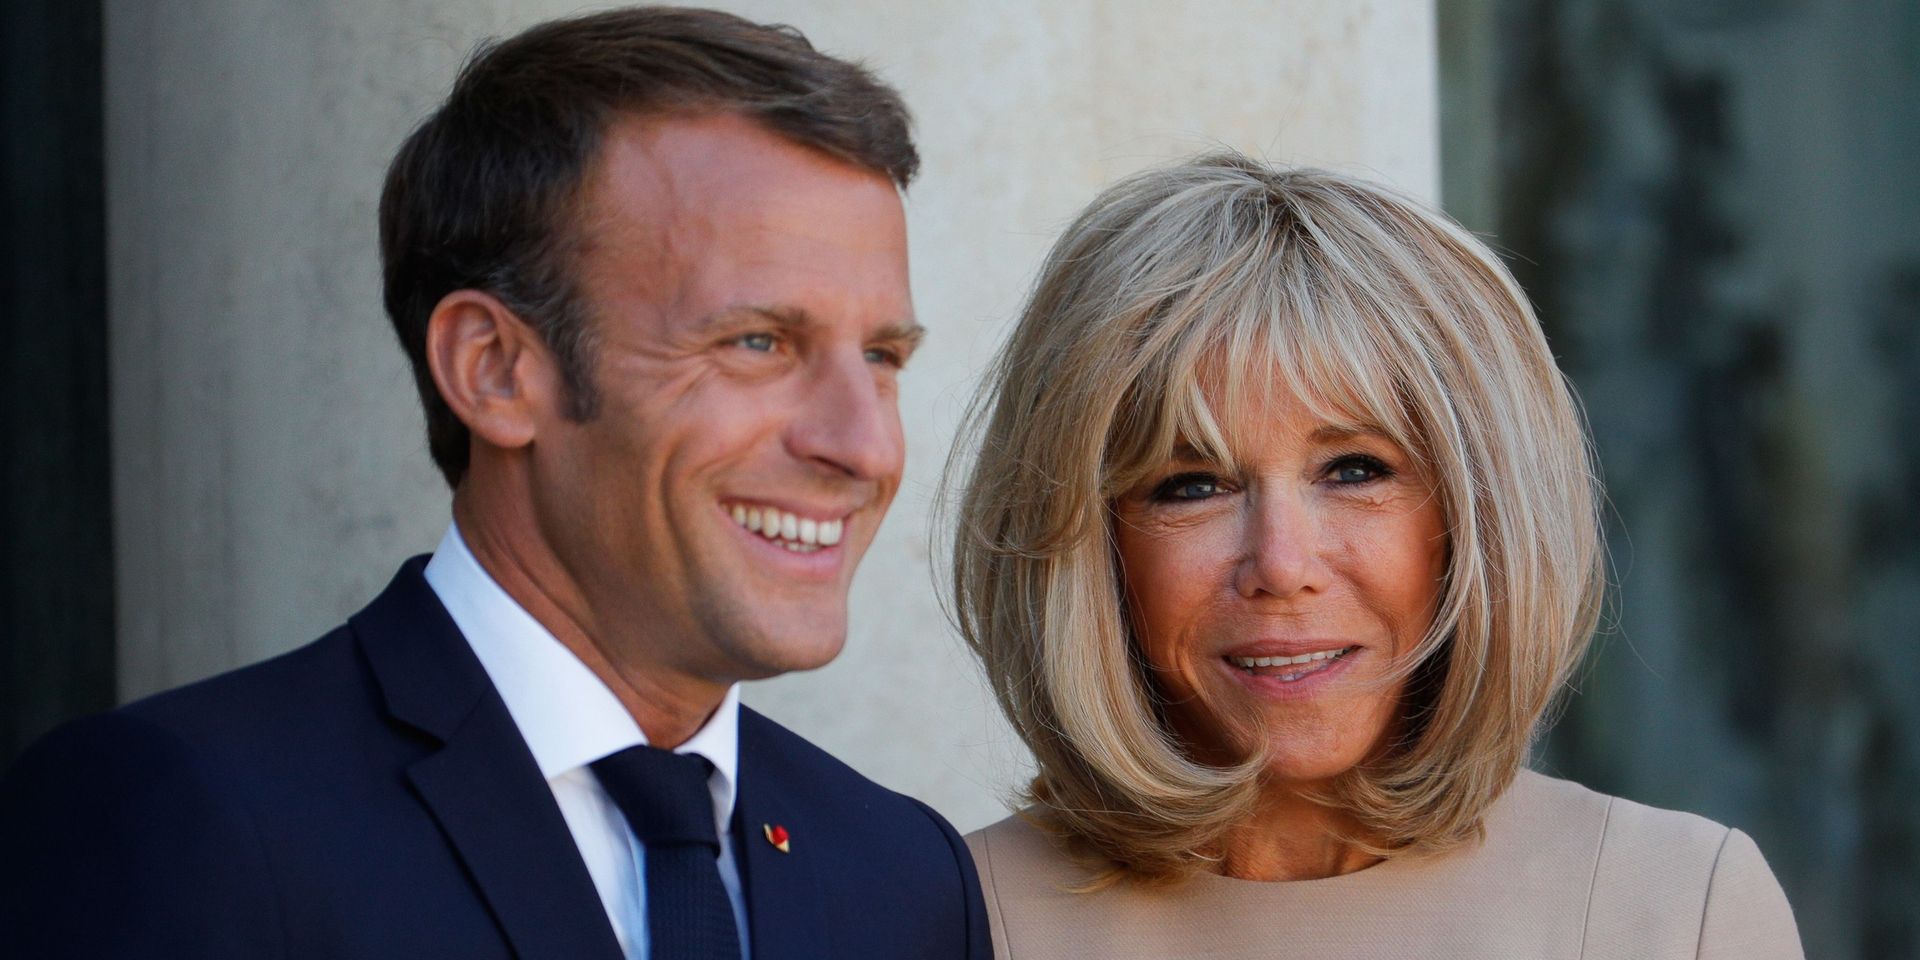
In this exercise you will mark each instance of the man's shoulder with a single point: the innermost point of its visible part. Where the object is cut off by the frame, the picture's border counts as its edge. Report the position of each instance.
(773, 744)
(781, 769)
(315, 710)
(801, 769)
(326, 687)
(211, 732)
(872, 852)
(322, 673)
(215, 818)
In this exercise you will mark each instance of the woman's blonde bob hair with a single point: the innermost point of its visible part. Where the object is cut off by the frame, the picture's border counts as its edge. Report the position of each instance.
(1373, 310)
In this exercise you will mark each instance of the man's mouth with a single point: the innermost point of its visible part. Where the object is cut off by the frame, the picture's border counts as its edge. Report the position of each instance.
(1287, 669)
(790, 530)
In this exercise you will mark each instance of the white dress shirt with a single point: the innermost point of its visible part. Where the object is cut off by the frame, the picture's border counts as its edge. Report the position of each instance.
(569, 719)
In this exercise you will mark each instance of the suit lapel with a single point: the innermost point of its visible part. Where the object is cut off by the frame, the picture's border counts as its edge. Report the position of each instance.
(501, 817)
(784, 908)
(482, 785)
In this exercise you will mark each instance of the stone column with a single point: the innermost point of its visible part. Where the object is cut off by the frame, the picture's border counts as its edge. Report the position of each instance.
(270, 467)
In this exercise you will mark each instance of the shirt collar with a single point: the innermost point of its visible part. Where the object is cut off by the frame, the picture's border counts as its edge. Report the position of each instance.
(567, 715)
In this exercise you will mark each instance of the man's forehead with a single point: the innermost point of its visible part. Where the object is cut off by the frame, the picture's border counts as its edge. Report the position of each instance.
(666, 184)
(693, 164)
(710, 221)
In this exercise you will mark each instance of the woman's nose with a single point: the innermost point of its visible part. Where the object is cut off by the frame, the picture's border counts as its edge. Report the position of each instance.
(1282, 555)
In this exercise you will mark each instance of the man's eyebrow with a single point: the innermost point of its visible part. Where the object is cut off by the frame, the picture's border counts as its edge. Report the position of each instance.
(906, 331)
(785, 318)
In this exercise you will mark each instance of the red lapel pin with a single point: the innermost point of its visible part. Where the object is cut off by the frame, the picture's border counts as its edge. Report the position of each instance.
(776, 835)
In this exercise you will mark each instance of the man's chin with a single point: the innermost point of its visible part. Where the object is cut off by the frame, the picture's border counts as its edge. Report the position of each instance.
(783, 655)
(780, 639)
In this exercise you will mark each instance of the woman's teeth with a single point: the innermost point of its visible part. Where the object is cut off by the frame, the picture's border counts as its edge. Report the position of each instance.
(799, 534)
(1310, 662)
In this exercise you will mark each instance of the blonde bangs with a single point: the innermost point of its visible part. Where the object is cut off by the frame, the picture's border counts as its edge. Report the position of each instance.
(1272, 321)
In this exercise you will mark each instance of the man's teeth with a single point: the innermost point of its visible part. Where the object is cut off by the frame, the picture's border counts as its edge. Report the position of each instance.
(1251, 663)
(799, 534)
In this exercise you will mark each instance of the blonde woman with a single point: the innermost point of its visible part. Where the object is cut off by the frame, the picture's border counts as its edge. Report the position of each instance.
(1281, 539)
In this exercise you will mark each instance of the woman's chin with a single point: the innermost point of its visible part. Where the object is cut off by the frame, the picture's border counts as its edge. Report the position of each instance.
(1292, 774)
(1300, 755)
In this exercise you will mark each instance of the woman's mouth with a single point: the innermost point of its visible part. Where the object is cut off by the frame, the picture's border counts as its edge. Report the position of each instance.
(1290, 669)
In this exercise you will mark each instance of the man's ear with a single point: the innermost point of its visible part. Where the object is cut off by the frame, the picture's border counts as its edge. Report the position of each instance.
(491, 368)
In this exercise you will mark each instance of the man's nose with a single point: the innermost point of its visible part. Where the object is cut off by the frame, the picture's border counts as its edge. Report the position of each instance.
(1282, 555)
(849, 421)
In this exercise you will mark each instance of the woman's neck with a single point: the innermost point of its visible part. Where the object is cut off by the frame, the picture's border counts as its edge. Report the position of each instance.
(1290, 837)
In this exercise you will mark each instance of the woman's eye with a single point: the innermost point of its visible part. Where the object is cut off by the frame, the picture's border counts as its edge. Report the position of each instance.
(1356, 470)
(1189, 486)
(758, 342)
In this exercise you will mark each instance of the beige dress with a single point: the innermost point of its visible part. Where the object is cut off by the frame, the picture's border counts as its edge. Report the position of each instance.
(1564, 872)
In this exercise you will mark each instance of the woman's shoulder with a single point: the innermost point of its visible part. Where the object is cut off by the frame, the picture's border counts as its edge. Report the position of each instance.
(1026, 880)
(1542, 811)
(1562, 870)
(1015, 838)
(1683, 880)
(1018, 857)
(1539, 812)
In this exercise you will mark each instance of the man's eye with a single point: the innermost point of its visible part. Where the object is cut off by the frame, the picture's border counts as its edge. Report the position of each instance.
(1189, 486)
(885, 355)
(1356, 470)
(760, 342)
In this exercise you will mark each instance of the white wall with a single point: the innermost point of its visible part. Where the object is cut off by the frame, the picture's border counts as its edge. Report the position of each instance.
(270, 466)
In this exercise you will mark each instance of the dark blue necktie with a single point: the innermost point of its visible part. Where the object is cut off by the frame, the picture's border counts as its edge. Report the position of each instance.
(665, 798)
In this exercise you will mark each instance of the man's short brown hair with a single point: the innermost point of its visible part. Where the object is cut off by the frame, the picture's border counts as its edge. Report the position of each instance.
(482, 195)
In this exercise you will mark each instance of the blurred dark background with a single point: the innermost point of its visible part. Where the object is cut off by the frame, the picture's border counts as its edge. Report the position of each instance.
(56, 585)
(1715, 205)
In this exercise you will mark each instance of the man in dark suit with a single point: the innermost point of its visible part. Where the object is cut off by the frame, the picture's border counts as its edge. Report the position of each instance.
(650, 269)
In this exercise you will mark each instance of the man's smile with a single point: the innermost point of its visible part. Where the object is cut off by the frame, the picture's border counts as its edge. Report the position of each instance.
(794, 531)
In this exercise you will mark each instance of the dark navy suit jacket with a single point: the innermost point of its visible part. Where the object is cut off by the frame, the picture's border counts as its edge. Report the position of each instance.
(369, 796)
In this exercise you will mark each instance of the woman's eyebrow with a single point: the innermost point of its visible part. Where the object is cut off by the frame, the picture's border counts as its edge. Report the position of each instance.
(1185, 452)
(1339, 433)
